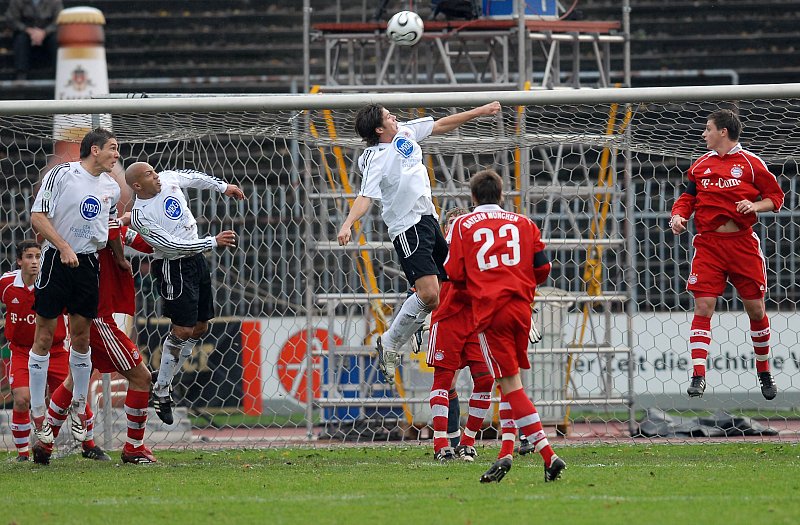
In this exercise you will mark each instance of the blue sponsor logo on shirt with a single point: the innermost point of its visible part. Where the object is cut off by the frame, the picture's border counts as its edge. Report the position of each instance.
(90, 207)
(404, 146)
(172, 208)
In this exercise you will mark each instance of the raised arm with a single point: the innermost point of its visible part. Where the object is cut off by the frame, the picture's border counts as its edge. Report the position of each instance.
(451, 122)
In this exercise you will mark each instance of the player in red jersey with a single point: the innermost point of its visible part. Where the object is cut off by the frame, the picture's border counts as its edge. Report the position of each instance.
(498, 256)
(728, 187)
(453, 345)
(16, 292)
(113, 351)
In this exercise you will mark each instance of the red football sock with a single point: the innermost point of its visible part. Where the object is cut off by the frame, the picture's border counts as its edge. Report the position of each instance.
(529, 424)
(21, 431)
(479, 403)
(507, 427)
(442, 379)
(59, 408)
(699, 341)
(760, 334)
(136, 412)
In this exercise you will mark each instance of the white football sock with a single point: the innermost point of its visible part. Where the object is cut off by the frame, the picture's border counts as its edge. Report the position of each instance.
(80, 365)
(186, 351)
(169, 352)
(37, 371)
(407, 321)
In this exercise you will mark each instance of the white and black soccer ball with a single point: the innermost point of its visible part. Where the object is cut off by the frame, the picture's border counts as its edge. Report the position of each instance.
(405, 28)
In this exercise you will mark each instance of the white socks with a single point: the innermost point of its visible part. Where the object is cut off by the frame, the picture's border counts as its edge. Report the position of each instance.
(37, 370)
(408, 320)
(170, 351)
(80, 365)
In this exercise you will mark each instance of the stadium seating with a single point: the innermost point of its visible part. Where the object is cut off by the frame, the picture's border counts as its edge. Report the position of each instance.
(255, 45)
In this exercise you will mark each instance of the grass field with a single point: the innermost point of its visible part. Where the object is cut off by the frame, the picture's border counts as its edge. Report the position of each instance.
(684, 484)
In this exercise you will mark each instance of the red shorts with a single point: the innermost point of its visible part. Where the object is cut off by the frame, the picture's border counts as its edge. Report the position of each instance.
(504, 342)
(453, 344)
(112, 349)
(722, 257)
(57, 370)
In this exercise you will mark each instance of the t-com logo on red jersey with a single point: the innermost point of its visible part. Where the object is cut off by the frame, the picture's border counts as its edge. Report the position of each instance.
(737, 171)
(90, 207)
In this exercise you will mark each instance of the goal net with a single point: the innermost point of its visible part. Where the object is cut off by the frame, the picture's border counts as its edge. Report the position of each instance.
(290, 357)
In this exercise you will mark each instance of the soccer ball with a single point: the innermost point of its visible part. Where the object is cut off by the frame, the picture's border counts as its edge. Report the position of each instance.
(405, 28)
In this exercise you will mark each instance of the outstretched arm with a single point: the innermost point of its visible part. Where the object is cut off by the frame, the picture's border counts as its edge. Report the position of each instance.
(359, 208)
(451, 122)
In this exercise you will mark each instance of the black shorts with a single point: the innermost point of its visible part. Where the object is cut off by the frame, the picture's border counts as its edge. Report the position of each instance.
(422, 250)
(59, 287)
(185, 286)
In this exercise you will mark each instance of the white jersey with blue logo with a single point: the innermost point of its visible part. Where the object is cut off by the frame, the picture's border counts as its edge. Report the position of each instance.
(78, 205)
(395, 174)
(166, 222)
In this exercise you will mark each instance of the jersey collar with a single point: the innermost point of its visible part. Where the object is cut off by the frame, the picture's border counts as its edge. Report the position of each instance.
(736, 149)
(488, 207)
(18, 282)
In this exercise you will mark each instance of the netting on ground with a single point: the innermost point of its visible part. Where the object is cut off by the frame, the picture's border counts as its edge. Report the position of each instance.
(290, 356)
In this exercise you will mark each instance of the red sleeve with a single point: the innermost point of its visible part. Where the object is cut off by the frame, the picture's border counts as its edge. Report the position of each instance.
(766, 183)
(454, 264)
(684, 206)
(541, 273)
(135, 241)
(5, 282)
(113, 229)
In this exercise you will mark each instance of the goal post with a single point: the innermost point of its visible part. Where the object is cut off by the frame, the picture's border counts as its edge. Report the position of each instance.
(290, 356)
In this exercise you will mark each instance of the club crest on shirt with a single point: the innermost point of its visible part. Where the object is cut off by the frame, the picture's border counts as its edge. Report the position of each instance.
(693, 278)
(172, 208)
(737, 171)
(90, 207)
(404, 146)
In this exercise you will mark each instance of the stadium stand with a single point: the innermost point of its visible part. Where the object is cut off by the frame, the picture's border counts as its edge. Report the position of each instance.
(250, 46)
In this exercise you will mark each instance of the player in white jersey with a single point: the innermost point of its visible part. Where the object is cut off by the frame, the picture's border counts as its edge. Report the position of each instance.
(71, 211)
(393, 172)
(162, 217)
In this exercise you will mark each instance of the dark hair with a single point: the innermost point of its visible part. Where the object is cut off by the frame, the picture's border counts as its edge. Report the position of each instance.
(486, 187)
(727, 119)
(27, 244)
(97, 137)
(367, 119)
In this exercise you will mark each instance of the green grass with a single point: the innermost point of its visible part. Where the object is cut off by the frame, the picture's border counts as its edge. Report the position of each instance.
(616, 484)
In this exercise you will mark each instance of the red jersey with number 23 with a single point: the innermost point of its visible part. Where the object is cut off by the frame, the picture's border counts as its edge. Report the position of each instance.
(492, 251)
(721, 182)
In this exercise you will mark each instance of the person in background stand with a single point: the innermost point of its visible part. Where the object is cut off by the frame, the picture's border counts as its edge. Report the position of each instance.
(35, 38)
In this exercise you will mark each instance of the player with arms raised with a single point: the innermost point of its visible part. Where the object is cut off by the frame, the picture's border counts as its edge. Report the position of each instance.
(728, 187)
(161, 215)
(498, 256)
(394, 173)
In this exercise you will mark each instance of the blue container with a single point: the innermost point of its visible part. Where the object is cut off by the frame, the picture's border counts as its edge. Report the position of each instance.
(534, 9)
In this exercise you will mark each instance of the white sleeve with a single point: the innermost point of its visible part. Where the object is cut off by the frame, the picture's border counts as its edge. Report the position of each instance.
(420, 129)
(163, 241)
(371, 179)
(49, 191)
(198, 179)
